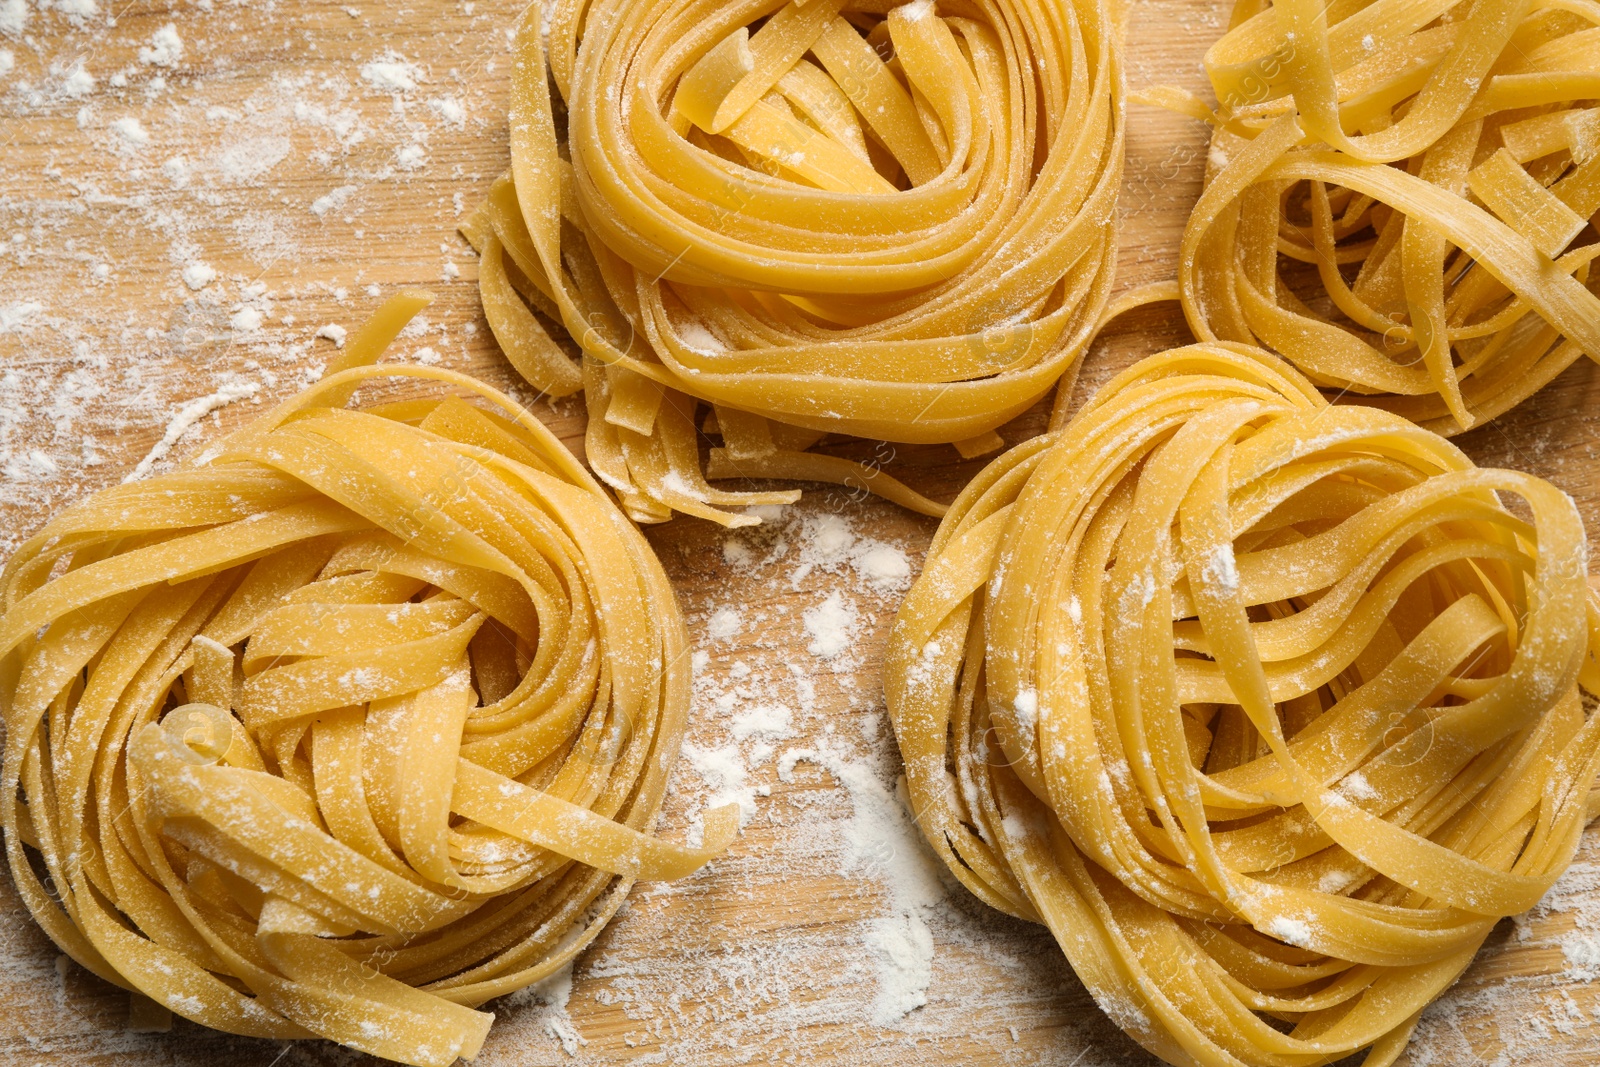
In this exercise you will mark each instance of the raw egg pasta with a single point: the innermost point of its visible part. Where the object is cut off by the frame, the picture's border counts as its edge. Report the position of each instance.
(356, 722)
(1268, 708)
(891, 221)
(1399, 198)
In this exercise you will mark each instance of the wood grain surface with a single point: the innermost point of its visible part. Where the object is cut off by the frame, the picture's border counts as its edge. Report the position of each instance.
(175, 222)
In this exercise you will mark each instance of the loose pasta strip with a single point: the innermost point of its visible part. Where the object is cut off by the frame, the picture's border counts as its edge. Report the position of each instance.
(1268, 708)
(357, 722)
(1400, 199)
(890, 221)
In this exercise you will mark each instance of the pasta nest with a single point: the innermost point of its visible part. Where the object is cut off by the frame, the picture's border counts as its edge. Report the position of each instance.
(1268, 708)
(1395, 197)
(884, 220)
(359, 720)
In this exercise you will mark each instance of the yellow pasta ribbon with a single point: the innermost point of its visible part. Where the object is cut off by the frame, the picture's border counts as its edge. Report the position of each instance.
(1268, 708)
(890, 221)
(1399, 198)
(357, 721)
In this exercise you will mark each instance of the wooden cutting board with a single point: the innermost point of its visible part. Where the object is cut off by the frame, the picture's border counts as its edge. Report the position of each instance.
(182, 210)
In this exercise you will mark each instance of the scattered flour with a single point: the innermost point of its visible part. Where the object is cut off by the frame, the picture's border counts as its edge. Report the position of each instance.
(767, 722)
(197, 275)
(246, 320)
(702, 340)
(674, 482)
(1581, 949)
(411, 156)
(75, 80)
(828, 544)
(882, 841)
(251, 156)
(723, 770)
(392, 73)
(551, 998)
(76, 11)
(332, 332)
(902, 947)
(332, 201)
(187, 416)
(131, 131)
(1356, 787)
(13, 17)
(13, 316)
(726, 623)
(1026, 707)
(832, 626)
(884, 566)
(449, 109)
(1221, 570)
(165, 48)
(1291, 931)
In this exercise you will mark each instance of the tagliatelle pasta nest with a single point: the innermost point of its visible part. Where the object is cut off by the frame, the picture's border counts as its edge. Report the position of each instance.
(892, 221)
(1400, 197)
(359, 721)
(1268, 708)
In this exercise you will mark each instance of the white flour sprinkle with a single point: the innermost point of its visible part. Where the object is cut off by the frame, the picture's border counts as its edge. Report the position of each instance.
(1221, 569)
(724, 771)
(13, 316)
(75, 10)
(187, 416)
(392, 73)
(197, 275)
(1027, 709)
(1356, 786)
(1582, 953)
(770, 722)
(724, 624)
(882, 841)
(13, 17)
(131, 131)
(550, 998)
(449, 109)
(902, 946)
(884, 566)
(332, 201)
(702, 340)
(1291, 931)
(251, 156)
(832, 625)
(165, 48)
(332, 332)
(76, 81)
(828, 544)
(411, 156)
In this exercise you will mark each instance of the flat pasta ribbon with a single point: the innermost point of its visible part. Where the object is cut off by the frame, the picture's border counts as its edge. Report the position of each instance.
(1268, 708)
(1400, 195)
(886, 220)
(356, 722)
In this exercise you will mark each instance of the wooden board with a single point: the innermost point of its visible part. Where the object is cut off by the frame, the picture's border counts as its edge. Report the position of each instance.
(304, 151)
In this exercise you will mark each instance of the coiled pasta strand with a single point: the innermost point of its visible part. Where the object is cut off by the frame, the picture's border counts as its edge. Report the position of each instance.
(1400, 196)
(1268, 708)
(886, 220)
(359, 720)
